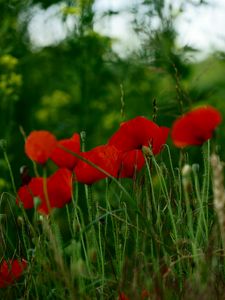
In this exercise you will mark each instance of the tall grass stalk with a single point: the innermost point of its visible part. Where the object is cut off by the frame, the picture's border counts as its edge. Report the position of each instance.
(174, 232)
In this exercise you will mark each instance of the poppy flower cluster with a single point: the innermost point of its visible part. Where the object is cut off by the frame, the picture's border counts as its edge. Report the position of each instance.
(10, 271)
(121, 157)
(54, 191)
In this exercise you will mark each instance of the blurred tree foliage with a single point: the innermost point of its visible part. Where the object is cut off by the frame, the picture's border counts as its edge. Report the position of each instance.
(80, 83)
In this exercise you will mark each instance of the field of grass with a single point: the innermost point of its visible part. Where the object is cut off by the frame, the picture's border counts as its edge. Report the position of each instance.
(154, 237)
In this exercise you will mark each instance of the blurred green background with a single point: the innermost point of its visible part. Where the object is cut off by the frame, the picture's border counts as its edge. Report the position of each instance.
(79, 82)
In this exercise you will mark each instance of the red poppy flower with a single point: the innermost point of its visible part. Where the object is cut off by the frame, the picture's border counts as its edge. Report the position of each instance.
(59, 191)
(131, 163)
(10, 271)
(139, 132)
(27, 192)
(39, 145)
(195, 127)
(105, 157)
(61, 157)
(123, 296)
(60, 188)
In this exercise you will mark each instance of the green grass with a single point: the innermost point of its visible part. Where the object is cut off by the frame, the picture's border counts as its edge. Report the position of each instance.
(157, 233)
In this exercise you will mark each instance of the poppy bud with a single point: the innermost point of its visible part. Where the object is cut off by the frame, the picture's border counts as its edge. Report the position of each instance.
(24, 174)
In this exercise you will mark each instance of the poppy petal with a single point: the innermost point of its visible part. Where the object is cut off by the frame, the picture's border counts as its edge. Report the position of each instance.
(139, 132)
(39, 145)
(61, 157)
(159, 140)
(10, 271)
(26, 193)
(59, 191)
(60, 188)
(105, 157)
(18, 267)
(195, 127)
(131, 163)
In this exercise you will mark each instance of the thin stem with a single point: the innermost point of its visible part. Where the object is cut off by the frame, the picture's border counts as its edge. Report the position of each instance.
(10, 171)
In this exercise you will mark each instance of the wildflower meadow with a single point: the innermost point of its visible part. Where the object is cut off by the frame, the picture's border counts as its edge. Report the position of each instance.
(158, 235)
(111, 150)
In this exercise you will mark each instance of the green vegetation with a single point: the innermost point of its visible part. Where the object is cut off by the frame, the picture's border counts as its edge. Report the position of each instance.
(157, 233)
